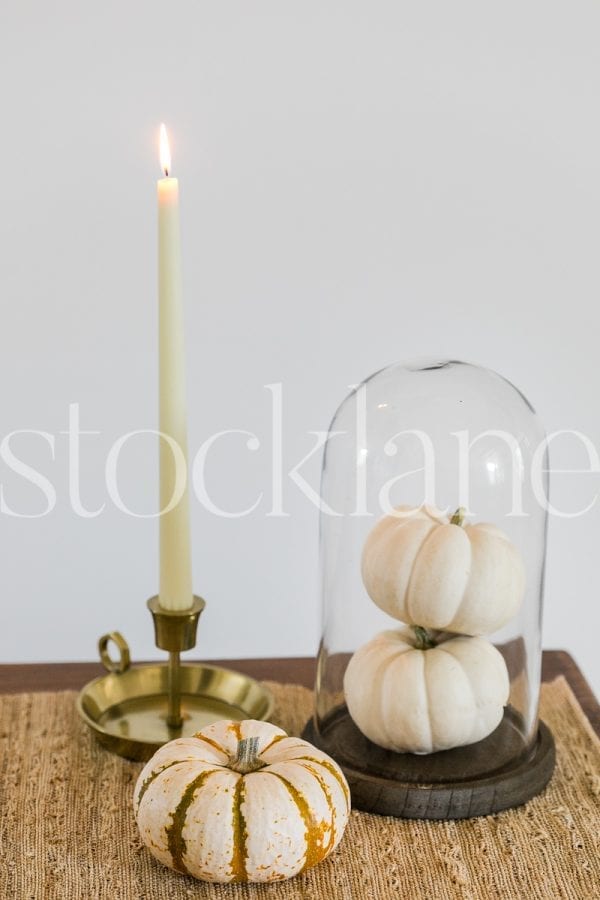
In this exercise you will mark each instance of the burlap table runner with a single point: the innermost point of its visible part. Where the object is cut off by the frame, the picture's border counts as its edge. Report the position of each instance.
(67, 830)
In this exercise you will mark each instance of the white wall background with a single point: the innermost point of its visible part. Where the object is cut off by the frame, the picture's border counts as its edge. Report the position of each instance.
(361, 183)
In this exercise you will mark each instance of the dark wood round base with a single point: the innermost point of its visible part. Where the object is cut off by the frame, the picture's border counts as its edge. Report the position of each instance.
(483, 778)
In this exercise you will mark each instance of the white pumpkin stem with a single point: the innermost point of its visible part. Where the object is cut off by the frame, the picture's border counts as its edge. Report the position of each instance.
(423, 639)
(459, 516)
(247, 756)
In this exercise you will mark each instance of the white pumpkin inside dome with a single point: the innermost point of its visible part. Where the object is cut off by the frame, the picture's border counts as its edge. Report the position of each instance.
(424, 568)
(411, 691)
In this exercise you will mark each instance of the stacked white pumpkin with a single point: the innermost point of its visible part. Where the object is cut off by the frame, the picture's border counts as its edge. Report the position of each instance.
(434, 683)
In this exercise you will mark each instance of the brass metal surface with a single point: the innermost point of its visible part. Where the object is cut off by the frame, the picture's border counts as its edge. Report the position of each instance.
(128, 711)
(174, 714)
(114, 665)
(175, 630)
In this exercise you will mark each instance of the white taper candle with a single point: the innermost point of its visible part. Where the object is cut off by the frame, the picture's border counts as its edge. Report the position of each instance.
(175, 590)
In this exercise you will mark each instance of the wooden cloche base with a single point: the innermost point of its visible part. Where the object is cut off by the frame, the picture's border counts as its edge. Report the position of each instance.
(483, 778)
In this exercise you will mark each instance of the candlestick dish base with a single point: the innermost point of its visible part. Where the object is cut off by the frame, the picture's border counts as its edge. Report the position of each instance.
(128, 710)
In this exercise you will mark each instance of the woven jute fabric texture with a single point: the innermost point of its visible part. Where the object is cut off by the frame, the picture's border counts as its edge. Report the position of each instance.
(67, 831)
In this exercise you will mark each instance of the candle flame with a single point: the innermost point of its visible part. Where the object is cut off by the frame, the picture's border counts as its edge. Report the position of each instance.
(165, 152)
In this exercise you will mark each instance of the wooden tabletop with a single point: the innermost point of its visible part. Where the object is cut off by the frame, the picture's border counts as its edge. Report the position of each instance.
(299, 670)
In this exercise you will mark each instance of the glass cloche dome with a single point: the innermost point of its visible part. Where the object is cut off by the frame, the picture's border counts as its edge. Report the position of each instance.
(433, 532)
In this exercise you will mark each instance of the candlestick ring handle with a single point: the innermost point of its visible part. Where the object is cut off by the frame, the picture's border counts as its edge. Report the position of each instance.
(120, 664)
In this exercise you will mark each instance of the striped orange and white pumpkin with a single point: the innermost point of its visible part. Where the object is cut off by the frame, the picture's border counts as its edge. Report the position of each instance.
(241, 801)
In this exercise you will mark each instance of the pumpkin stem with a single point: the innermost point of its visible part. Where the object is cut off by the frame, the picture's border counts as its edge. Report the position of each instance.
(423, 640)
(247, 756)
(459, 516)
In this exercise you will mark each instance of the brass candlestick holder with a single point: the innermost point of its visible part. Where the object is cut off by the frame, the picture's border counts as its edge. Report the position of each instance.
(175, 631)
(133, 710)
